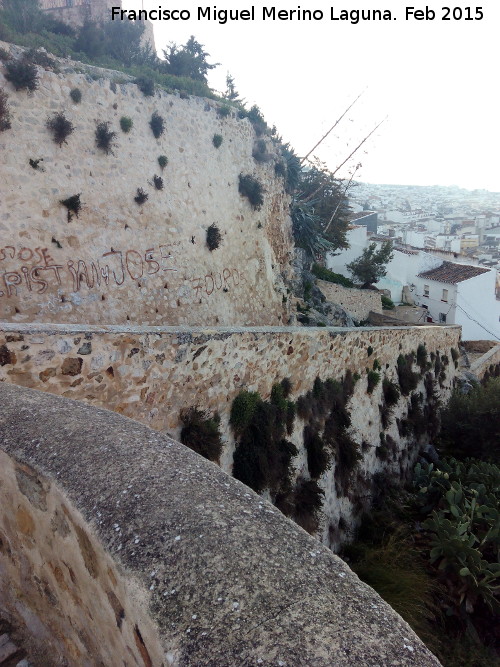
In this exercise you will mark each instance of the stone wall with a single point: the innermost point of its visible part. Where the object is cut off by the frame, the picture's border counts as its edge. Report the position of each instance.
(118, 262)
(58, 587)
(218, 575)
(358, 303)
(487, 363)
(151, 374)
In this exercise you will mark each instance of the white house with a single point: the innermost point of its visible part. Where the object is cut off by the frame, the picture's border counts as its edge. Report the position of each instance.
(461, 294)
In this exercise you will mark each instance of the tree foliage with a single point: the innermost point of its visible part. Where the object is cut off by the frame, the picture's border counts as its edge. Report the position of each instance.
(189, 60)
(319, 211)
(370, 266)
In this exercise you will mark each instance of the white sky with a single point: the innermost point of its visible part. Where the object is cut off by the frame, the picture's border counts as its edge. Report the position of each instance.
(437, 82)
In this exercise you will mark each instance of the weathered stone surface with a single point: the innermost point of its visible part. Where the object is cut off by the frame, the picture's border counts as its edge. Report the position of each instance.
(230, 581)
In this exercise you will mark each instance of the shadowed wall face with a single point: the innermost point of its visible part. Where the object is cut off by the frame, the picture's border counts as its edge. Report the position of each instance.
(58, 587)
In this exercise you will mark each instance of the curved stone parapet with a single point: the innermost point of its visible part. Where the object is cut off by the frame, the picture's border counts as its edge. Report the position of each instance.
(119, 546)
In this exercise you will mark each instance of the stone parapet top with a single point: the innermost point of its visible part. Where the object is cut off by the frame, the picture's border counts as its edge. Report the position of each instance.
(118, 328)
(230, 580)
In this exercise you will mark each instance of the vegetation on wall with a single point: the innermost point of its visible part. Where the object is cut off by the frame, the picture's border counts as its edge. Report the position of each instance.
(73, 204)
(141, 197)
(252, 189)
(22, 75)
(200, 432)
(76, 95)
(158, 182)
(323, 273)
(217, 140)
(60, 127)
(126, 124)
(162, 161)
(105, 138)
(5, 119)
(214, 237)
(157, 125)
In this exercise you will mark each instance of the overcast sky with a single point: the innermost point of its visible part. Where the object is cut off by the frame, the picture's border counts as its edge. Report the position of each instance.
(437, 81)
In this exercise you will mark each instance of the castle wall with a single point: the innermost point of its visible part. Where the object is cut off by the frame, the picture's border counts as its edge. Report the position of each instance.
(118, 262)
(151, 374)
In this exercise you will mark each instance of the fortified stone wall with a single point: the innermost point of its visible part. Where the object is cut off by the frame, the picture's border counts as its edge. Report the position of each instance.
(151, 374)
(358, 303)
(222, 577)
(119, 262)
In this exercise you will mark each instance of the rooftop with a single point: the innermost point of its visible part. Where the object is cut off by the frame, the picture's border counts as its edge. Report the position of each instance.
(452, 273)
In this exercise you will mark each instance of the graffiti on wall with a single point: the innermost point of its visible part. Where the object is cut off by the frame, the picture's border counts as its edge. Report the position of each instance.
(35, 270)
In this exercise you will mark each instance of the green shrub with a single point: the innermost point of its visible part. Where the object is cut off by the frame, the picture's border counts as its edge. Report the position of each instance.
(319, 456)
(40, 58)
(408, 380)
(470, 423)
(308, 500)
(217, 140)
(250, 187)
(157, 125)
(73, 204)
(22, 75)
(323, 273)
(141, 197)
(464, 526)
(223, 111)
(162, 161)
(387, 303)
(126, 124)
(146, 85)
(259, 152)
(243, 409)
(60, 127)
(200, 432)
(390, 391)
(76, 95)
(214, 237)
(5, 123)
(422, 357)
(376, 365)
(257, 119)
(104, 138)
(373, 378)
(369, 350)
(455, 355)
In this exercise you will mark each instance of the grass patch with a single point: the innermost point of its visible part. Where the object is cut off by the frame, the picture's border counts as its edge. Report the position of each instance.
(60, 127)
(252, 189)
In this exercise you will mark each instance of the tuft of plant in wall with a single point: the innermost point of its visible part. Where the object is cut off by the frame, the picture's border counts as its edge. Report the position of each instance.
(22, 75)
(162, 161)
(158, 182)
(157, 125)
(217, 140)
(60, 127)
(126, 124)
(76, 95)
(73, 205)
(35, 164)
(5, 123)
(145, 85)
(252, 189)
(200, 432)
(259, 152)
(141, 197)
(223, 111)
(105, 138)
(214, 237)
